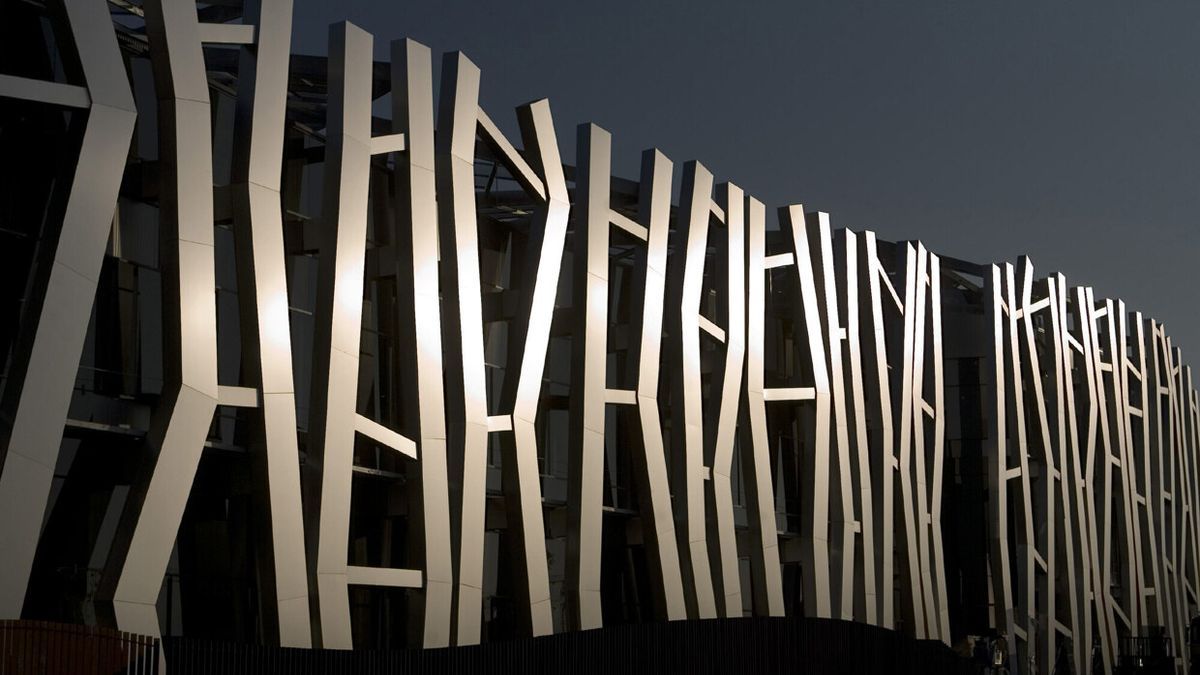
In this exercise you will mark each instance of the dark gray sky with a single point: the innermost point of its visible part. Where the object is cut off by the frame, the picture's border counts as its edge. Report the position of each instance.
(1068, 131)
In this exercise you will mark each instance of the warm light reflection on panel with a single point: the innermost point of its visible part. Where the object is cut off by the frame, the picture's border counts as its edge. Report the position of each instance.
(181, 423)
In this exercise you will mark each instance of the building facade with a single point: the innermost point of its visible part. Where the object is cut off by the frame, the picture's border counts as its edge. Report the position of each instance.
(316, 352)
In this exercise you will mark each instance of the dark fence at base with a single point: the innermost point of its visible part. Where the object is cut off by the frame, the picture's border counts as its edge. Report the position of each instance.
(45, 648)
(750, 645)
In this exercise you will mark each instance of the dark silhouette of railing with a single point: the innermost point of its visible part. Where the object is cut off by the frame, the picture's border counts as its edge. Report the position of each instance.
(45, 648)
(1150, 654)
(697, 647)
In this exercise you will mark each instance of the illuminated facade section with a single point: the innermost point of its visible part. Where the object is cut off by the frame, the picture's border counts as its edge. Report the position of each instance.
(406, 383)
